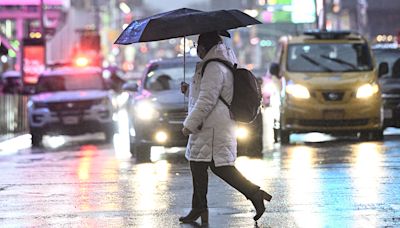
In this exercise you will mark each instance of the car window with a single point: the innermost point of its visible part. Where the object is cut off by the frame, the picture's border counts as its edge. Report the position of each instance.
(70, 82)
(390, 56)
(329, 57)
(167, 77)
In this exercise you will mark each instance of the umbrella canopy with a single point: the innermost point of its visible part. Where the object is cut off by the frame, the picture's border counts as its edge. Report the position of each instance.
(183, 22)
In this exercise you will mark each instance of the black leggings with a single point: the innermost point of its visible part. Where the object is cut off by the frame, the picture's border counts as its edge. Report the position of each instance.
(229, 174)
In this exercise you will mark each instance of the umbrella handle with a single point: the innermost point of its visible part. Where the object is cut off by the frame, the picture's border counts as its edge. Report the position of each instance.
(184, 71)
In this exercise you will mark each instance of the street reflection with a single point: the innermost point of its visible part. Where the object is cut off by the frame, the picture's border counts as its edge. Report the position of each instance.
(83, 172)
(150, 180)
(303, 183)
(121, 138)
(258, 171)
(85, 162)
(366, 175)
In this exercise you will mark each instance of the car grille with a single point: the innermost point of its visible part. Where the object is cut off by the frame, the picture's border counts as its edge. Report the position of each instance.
(175, 117)
(333, 96)
(71, 105)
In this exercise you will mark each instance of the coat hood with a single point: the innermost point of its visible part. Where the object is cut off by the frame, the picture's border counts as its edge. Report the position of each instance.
(221, 51)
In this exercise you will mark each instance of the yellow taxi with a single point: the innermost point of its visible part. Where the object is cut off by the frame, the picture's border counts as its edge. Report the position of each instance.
(327, 82)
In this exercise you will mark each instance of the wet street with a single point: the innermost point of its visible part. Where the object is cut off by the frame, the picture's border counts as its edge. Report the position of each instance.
(317, 181)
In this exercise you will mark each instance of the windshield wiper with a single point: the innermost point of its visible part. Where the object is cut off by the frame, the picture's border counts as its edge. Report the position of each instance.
(311, 60)
(340, 61)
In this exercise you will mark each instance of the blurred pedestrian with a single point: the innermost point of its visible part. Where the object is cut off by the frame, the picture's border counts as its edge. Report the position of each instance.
(212, 140)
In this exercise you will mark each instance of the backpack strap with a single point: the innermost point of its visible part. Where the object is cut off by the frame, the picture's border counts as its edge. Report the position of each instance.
(228, 65)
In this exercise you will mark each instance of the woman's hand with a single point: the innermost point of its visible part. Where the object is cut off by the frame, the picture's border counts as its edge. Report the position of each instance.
(184, 87)
(186, 132)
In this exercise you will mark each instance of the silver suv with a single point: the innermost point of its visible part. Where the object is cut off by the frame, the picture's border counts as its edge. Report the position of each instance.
(70, 101)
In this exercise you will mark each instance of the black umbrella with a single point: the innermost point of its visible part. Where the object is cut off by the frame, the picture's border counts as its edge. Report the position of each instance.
(183, 22)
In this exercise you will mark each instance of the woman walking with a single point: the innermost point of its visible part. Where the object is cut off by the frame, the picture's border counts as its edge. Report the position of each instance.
(212, 140)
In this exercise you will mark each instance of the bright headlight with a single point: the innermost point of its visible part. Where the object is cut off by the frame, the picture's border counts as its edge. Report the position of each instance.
(145, 110)
(161, 136)
(367, 90)
(242, 132)
(298, 91)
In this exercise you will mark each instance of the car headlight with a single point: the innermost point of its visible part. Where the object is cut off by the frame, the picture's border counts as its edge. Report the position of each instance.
(367, 90)
(145, 110)
(298, 91)
(242, 133)
(37, 105)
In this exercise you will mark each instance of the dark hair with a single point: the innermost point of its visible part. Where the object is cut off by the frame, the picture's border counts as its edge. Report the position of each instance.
(208, 40)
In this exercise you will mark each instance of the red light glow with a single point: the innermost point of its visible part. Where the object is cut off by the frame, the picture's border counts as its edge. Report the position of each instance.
(81, 61)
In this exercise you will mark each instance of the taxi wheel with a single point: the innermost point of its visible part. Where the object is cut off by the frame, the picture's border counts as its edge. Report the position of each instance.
(375, 135)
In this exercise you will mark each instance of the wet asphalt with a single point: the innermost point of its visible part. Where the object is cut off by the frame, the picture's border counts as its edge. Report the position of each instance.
(317, 181)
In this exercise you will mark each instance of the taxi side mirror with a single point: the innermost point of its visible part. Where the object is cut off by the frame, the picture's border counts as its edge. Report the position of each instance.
(130, 86)
(383, 69)
(274, 70)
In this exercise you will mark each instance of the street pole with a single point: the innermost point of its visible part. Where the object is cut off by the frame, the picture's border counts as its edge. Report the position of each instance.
(96, 17)
(43, 31)
(316, 14)
(324, 15)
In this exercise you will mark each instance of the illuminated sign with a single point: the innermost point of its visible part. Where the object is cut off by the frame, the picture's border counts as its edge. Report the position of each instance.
(289, 11)
(33, 2)
(33, 62)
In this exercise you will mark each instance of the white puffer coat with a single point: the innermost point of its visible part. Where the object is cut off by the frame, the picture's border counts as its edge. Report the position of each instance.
(216, 140)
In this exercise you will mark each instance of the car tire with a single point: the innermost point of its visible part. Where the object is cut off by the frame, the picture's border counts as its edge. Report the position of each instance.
(141, 152)
(109, 135)
(378, 135)
(374, 135)
(36, 139)
(285, 137)
(256, 148)
(251, 149)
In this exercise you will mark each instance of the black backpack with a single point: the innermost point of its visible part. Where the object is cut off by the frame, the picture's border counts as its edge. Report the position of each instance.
(246, 101)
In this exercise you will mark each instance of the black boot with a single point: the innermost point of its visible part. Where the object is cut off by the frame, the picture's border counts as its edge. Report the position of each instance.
(194, 214)
(258, 203)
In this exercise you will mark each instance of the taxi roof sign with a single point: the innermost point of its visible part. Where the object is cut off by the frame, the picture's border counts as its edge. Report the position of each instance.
(325, 34)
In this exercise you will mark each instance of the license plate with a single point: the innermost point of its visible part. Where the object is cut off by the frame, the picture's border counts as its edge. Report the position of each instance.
(333, 114)
(388, 113)
(70, 120)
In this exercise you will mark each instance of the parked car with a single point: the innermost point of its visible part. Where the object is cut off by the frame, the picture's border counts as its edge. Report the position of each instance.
(328, 83)
(158, 108)
(70, 101)
(11, 82)
(390, 84)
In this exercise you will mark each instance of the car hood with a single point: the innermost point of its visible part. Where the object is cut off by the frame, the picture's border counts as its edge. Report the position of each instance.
(390, 85)
(332, 81)
(70, 96)
(168, 99)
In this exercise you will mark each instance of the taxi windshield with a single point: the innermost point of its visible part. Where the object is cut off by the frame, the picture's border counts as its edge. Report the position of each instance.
(329, 57)
(70, 82)
(167, 76)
